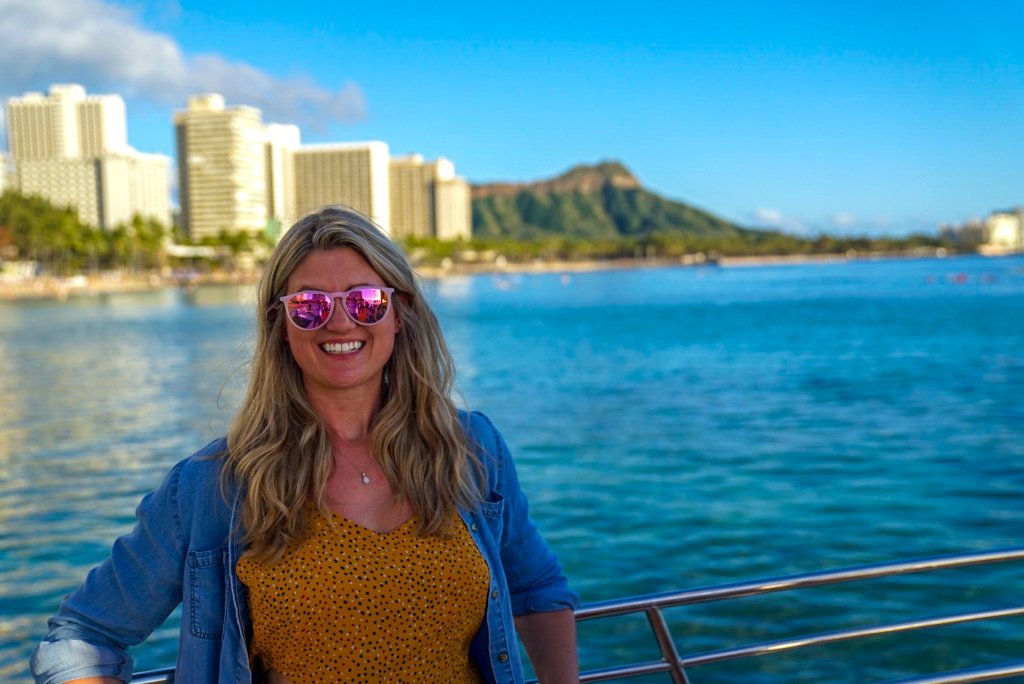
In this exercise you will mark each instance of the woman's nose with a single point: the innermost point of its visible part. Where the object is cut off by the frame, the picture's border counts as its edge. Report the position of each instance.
(340, 320)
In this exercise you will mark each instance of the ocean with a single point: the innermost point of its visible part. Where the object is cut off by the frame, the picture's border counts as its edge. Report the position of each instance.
(673, 428)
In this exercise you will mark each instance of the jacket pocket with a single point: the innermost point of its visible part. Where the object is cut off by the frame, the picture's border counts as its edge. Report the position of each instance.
(206, 592)
(493, 510)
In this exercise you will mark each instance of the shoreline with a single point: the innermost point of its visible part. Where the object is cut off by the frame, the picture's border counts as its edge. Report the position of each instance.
(61, 289)
(689, 261)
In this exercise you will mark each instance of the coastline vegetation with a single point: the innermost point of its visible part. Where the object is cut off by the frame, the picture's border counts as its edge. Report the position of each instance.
(60, 244)
(33, 229)
(662, 246)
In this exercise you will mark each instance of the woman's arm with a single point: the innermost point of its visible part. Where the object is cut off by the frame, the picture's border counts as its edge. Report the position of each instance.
(550, 641)
(121, 601)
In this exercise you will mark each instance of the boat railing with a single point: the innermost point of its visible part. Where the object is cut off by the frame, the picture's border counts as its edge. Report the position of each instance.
(677, 665)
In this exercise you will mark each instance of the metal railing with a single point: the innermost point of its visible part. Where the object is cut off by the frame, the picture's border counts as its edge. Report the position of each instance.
(164, 676)
(676, 665)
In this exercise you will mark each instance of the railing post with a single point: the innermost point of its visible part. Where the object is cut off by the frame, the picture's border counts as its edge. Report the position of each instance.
(668, 647)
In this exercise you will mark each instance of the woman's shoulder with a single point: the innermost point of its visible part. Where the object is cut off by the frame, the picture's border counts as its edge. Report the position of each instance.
(195, 482)
(193, 490)
(483, 436)
(489, 447)
(203, 467)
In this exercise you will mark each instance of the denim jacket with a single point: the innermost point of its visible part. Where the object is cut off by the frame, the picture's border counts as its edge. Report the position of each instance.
(183, 550)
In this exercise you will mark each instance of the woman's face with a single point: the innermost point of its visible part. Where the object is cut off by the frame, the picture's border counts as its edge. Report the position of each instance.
(343, 358)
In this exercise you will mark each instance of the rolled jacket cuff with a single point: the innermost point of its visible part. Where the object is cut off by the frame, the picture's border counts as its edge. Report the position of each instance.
(545, 599)
(60, 661)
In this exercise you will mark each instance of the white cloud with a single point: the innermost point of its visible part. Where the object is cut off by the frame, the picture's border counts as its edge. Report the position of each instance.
(105, 47)
(767, 215)
(776, 219)
(842, 221)
(839, 224)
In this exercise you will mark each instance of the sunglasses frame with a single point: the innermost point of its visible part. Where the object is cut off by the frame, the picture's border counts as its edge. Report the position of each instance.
(332, 297)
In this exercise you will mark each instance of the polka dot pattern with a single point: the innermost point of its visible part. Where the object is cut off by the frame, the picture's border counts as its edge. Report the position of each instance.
(353, 605)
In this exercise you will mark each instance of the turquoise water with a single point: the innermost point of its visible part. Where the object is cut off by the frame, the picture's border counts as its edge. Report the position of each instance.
(674, 428)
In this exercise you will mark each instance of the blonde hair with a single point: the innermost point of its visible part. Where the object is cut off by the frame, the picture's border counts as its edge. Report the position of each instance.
(278, 449)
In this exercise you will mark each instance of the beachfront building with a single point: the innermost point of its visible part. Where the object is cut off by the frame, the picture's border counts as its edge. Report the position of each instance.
(237, 174)
(65, 182)
(353, 174)
(428, 199)
(4, 173)
(45, 126)
(1004, 232)
(281, 142)
(453, 209)
(102, 126)
(106, 191)
(148, 185)
(72, 149)
(222, 181)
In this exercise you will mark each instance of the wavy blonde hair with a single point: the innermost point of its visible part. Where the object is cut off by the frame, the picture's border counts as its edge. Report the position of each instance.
(278, 449)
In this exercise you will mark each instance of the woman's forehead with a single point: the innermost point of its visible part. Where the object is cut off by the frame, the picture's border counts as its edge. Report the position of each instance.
(338, 268)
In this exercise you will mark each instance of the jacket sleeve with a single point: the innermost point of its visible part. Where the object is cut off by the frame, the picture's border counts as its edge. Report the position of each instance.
(122, 600)
(535, 579)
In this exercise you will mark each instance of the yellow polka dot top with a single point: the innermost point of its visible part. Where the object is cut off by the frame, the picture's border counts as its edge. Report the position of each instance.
(348, 604)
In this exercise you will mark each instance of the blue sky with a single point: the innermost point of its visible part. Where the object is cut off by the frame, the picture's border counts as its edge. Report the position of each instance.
(839, 117)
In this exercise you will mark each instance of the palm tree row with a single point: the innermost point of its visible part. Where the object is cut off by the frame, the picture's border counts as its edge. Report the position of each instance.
(31, 228)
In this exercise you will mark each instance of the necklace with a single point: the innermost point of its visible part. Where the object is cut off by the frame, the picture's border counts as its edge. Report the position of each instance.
(363, 477)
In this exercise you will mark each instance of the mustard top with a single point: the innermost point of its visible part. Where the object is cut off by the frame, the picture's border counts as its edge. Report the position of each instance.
(350, 604)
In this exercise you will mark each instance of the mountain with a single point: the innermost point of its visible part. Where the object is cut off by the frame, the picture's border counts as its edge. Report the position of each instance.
(602, 201)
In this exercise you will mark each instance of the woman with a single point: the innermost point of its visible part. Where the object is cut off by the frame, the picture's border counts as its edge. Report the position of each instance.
(352, 526)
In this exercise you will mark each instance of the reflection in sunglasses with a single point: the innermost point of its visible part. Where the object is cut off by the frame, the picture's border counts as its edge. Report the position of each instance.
(311, 309)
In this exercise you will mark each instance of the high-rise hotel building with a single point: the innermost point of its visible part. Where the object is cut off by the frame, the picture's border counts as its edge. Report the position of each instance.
(353, 174)
(222, 181)
(428, 199)
(46, 126)
(281, 141)
(72, 149)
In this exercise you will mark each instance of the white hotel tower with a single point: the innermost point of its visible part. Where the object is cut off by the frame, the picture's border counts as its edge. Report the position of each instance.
(353, 174)
(72, 149)
(222, 180)
(428, 199)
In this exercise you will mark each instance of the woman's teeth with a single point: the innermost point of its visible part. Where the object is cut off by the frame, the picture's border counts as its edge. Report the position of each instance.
(341, 347)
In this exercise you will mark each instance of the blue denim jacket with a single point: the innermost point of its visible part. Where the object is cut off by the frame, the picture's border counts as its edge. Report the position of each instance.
(184, 548)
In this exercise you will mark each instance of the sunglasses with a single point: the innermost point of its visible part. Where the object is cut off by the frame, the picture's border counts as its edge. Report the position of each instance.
(311, 309)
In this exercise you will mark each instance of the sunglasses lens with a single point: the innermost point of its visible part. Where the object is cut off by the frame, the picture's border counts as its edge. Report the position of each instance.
(367, 305)
(309, 310)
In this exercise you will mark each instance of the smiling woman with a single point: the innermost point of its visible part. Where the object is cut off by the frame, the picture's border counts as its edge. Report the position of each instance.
(347, 480)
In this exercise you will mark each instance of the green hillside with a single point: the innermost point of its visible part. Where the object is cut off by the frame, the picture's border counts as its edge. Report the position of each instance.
(598, 202)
